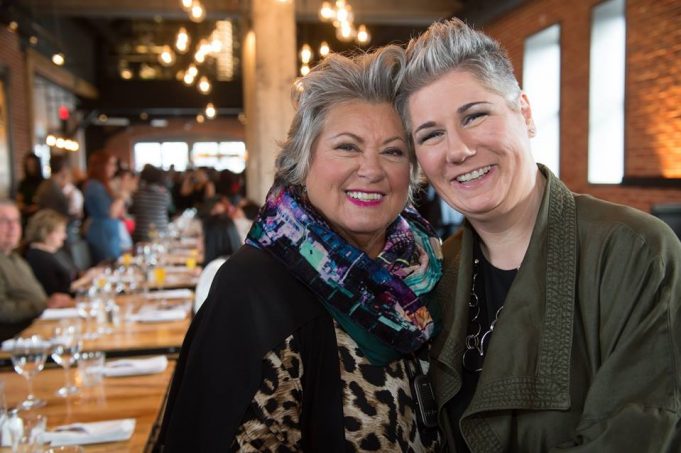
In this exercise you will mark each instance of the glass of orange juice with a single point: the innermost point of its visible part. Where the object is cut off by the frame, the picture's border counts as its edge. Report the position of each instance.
(127, 259)
(160, 276)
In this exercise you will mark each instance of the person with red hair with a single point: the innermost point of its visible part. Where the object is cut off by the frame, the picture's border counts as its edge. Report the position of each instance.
(103, 208)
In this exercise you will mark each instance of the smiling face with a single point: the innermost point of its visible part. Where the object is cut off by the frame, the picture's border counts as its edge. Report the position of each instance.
(359, 174)
(10, 228)
(473, 147)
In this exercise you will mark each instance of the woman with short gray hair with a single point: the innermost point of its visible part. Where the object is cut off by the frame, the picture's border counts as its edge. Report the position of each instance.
(562, 327)
(312, 334)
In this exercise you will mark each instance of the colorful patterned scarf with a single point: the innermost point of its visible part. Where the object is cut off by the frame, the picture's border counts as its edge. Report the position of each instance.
(376, 301)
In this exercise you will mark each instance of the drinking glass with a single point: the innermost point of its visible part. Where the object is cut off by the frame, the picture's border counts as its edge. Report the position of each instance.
(3, 409)
(85, 312)
(66, 345)
(28, 357)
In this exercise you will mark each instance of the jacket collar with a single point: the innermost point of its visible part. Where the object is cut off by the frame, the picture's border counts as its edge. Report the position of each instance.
(528, 360)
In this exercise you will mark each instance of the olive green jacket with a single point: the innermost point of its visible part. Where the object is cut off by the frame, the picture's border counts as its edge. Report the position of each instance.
(585, 355)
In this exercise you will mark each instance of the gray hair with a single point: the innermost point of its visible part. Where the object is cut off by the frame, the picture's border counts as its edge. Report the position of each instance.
(452, 45)
(371, 77)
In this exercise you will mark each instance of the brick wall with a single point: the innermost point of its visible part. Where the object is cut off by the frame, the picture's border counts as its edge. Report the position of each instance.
(653, 87)
(13, 60)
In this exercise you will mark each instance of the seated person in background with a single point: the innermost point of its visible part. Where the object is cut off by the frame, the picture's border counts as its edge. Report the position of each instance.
(21, 297)
(243, 216)
(220, 234)
(221, 239)
(45, 234)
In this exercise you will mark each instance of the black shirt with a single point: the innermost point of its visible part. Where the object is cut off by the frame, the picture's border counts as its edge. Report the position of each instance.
(491, 287)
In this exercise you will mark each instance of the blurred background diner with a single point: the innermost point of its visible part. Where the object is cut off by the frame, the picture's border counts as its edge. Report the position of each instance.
(150, 128)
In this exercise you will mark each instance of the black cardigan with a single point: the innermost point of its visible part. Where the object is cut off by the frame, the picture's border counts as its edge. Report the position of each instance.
(254, 304)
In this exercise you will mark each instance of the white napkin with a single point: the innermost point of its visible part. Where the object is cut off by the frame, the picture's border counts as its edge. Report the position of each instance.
(161, 314)
(8, 345)
(177, 270)
(51, 314)
(91, 433)
(132, 367)
(183, 293)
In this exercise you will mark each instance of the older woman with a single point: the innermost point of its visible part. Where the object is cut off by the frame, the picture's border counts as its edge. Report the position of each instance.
(561, 311)
(311, 332)
(45, 235)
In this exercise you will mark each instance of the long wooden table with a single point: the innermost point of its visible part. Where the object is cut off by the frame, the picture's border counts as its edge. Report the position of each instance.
(127, 339)
(139, 397)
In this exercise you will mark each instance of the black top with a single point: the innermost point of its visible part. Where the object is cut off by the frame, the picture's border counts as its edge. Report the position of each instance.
(254, 304)
(491, 286)
(50, 269)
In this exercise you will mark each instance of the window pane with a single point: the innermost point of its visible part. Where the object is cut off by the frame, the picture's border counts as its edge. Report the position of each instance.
(175, 153)
(221, 156)
(606, 93)
(147, 153)
(541, 82)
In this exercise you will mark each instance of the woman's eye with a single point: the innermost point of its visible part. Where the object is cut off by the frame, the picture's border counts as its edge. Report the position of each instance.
(346, 147)
(427, 136)
(468, 119)
(397, 152)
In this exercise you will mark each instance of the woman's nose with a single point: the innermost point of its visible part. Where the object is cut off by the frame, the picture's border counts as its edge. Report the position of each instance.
(458, 149)
(370, 167)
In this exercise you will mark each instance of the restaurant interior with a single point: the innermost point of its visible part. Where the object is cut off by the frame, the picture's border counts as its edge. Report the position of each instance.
(200, 89)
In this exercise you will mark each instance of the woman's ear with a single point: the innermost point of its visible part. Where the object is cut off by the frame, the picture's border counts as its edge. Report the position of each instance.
(526, 112)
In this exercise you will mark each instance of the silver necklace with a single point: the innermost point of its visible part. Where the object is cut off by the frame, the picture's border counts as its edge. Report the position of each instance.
(476, 345)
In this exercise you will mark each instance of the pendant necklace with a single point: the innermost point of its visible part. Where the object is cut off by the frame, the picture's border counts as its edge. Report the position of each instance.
(476, 344)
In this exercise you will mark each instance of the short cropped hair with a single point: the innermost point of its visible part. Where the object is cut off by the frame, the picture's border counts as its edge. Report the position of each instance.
(58, 162)
(452, 45)
(369, 77)
(41, 224)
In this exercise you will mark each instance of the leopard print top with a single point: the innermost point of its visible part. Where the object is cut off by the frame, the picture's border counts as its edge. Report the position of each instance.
(377, 405)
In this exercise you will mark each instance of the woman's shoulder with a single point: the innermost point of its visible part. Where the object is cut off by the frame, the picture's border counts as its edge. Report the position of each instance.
(602, 220)
(255, 277)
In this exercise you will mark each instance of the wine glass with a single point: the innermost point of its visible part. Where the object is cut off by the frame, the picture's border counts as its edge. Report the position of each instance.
(66, 345)
(28, 357)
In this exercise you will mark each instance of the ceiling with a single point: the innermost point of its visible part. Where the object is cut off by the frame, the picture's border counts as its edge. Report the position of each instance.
(370, 11)
(99, 37)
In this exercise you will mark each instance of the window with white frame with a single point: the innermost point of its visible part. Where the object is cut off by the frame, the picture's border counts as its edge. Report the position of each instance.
(606, 93)
(541, 82)
(161, 155)
(230, 155)
(220, 155)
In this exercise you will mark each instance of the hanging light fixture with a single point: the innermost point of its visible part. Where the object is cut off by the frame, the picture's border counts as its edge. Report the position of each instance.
(167, 56)
(346, 32)
(186, 4)
(204, 85)
(58, 59)
(306, 53)
(182, 40)
(210, 111)
(197, 12)
(324, 49)
(363, 36)
(304, 69)
(342, 17)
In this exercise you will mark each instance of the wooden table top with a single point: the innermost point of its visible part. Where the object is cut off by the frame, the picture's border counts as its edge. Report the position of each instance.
(139, 397)
(127, 339)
